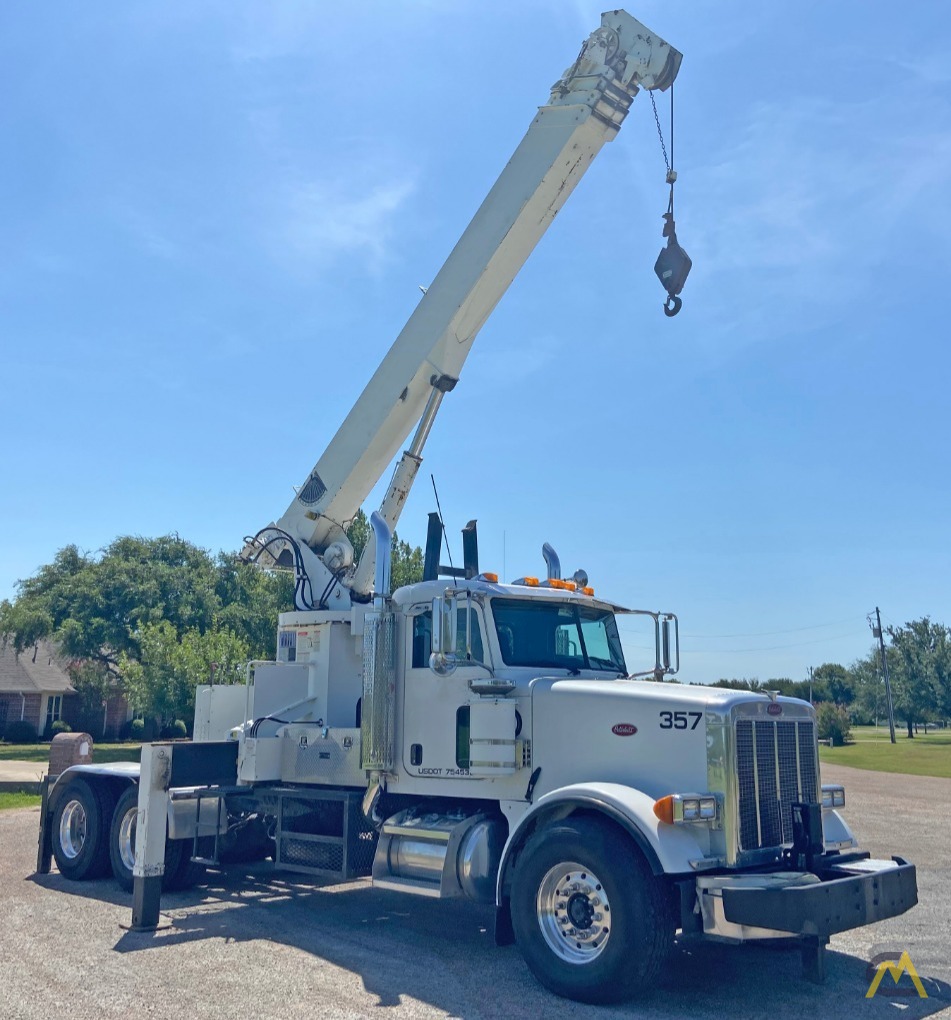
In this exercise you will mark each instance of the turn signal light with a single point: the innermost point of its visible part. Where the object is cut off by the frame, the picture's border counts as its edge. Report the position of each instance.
(664, 809)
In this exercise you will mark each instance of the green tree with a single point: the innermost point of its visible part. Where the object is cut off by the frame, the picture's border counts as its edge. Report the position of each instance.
(739, 684)
(836, 682)
(921, 675)
(833, 723)
(94, 684)
(250, 601)
(161, 681)
(99, 609)
(869, 686)
(406, 564)
(406, 561)
(155, 614)
(94, 607)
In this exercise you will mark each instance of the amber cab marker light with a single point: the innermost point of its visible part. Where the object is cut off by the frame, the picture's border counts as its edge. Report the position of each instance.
(588, 591)
(491, 578)
(664, 809)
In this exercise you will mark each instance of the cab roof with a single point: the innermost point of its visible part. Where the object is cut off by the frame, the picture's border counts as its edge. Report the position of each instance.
(426, 591)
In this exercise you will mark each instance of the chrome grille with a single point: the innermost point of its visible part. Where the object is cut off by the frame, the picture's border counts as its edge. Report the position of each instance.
(776, 766)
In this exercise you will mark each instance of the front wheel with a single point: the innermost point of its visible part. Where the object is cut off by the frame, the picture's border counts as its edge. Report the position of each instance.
(591, 921)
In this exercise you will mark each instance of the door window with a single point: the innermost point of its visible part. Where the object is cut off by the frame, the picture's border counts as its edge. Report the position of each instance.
(423, 637)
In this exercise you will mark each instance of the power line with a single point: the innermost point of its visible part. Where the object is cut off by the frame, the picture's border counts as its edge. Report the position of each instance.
(764, 648)
(793, 630)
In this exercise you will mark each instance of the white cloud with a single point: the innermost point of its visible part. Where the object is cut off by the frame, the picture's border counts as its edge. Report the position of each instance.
(346, 214)
(805, 211)
(508, 366)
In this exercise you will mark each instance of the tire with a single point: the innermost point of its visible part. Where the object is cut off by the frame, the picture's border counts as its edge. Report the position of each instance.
(80, 831)
(183, 873)
(179, 870)
(587, 878)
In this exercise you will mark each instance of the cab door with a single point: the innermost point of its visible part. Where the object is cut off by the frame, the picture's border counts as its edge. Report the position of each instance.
(435, 708)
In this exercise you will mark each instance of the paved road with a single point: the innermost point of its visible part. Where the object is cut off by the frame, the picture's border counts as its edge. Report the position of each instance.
(264, 946)
(23, 771)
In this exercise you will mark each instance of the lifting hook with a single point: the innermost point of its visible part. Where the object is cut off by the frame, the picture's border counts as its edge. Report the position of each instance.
(672, 266)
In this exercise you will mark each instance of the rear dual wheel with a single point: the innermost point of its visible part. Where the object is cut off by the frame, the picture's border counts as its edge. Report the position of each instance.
(80, 830)
(180, 870)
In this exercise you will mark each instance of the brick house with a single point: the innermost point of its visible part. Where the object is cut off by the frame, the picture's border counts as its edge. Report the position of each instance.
(35, 686)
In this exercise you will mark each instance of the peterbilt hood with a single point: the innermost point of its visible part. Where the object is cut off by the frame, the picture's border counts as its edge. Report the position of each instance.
(652, 736)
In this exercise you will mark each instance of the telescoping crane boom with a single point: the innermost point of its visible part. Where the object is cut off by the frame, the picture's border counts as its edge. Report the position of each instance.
(586, 109)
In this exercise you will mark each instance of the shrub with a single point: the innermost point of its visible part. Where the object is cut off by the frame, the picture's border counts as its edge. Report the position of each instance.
(833, 722)
(21, 732)
(179, 730)
(59, 726)
(137, 729)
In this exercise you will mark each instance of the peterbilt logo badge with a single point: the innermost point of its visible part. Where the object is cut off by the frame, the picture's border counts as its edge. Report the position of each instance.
(774, 708)
(624, 729)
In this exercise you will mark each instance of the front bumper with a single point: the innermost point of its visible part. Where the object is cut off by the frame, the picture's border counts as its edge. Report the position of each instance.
(852, 891)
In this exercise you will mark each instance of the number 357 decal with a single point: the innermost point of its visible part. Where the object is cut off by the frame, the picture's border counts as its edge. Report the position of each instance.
(680, 720)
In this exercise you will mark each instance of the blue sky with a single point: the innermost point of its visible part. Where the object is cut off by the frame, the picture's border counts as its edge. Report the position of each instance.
(215, 217)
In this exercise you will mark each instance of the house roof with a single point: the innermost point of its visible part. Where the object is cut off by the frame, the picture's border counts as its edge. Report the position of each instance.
(36, 670)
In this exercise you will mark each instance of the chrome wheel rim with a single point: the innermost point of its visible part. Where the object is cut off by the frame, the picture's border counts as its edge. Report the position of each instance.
(72, 829)
(127, 838)
(573, 913)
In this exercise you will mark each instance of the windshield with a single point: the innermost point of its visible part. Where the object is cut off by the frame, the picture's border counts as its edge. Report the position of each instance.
(557, 635)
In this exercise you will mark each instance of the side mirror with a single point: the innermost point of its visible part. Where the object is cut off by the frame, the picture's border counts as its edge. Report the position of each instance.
(670, 642)
(443, 660)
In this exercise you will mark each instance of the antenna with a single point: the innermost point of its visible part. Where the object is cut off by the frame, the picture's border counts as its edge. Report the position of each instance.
(441, 521)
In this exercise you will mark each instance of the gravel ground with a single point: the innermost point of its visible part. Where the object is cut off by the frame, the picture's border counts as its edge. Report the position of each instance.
(270, 946)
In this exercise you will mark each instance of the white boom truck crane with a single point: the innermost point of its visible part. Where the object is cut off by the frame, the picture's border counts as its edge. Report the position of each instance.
(462, 737)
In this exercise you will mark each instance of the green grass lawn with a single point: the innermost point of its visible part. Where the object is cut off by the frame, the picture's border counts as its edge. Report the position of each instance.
(926, 755)
(18, 800)
(41, 752)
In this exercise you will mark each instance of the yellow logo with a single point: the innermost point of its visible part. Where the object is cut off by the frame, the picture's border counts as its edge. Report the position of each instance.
(884, 963)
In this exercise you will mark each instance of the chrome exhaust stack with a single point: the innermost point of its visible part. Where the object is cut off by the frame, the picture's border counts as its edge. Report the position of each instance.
(378, 710)
(552, 562)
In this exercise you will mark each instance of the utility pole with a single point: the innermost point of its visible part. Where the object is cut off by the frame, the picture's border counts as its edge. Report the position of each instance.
(877, 632)
(810, 685)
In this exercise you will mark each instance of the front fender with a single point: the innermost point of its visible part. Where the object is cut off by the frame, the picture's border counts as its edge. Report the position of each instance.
(669, 849)
(836, 833)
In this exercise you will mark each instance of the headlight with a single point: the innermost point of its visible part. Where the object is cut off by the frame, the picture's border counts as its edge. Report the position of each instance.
(680, 808)
(833, 795)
